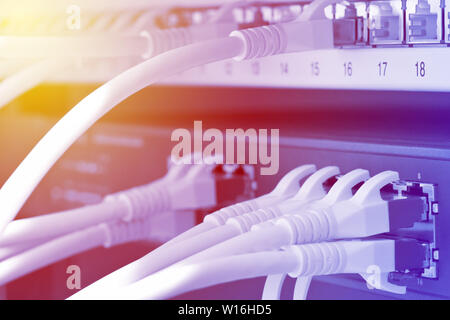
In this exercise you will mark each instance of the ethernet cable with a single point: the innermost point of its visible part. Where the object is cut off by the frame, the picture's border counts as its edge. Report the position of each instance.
(146, 44)
(340, 215)
(196, 238)
(87, 46)
(258, 236)
(286, 188)
(105, 234)
(365, 214)
(274, 284)
(133, 210)
(139, 43)
(27, 78)
(10, 251)
(60, 52)
(114, 207)
(236, 229)
(179, 189)
(340, 191)
(35, 229)
(340, 257)
(244, 44)
(312, 189)
(305, 226)
(79, 119)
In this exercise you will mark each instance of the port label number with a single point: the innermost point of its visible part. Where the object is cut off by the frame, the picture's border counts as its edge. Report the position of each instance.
(315, 69)
(420, 69)
(284, 68)
(348, 69)
(256, 68)
(382, 67)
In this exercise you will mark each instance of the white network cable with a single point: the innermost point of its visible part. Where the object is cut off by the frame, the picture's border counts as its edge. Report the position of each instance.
(138, 42)
(88, 46)
(21, 184)
(303, 260)
(253, 43)
(159, 196)
(338, 216)
(10, 251)
(340, 191)
(265, 236)
(237, 227)
(60, 52)
(146, 45)
(56, 54)
(196, 239)
(240, 45)
(287, 187)
(105, 234)
(129, 212)
(45, 227)
(27, 78)
(310, 195)
(167, 283)
(274, 285)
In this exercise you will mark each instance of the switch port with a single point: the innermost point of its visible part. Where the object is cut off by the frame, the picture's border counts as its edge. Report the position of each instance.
(386, 22)
(423, 230)
(424, 22)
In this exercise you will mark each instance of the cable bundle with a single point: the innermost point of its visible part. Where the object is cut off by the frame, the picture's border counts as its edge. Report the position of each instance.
(270, 235)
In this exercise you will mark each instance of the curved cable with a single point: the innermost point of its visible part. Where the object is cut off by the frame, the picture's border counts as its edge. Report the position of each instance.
(48, 226)
(34, 167)
(273, 286)
(10, 251)
(220, 231)
(271, 237)
(177, 280)
(156, 260)
(104, 234)
(243, 44)
(50, 252)
(192, 232)
(301, 288)
(22, 47)
(326, 258)
(27, 78)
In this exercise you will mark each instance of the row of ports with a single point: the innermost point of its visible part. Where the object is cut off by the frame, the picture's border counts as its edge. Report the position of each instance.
(366, 22)
(401, 21)
(375, 22)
